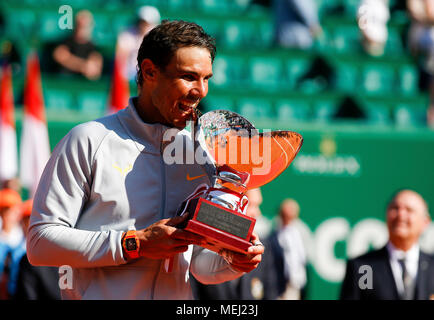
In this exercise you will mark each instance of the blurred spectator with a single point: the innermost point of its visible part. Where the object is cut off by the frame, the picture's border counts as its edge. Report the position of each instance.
(35, 283)
(372, 18)
(421, 44)
(289, 253)
(12, 241)
(129, 41)
(320, 75)
(262, 225)
(259, 284)
(9, 54)
(11, 232)
(400, 270)
(13, 184)
(77, 54)
(26, 211)
(296, 23)
(349, 109)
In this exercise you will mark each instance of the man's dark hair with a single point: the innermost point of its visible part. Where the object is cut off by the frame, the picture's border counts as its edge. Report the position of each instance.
(161, 43)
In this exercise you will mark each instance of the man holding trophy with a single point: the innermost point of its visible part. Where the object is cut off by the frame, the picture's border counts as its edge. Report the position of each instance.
(112, 206)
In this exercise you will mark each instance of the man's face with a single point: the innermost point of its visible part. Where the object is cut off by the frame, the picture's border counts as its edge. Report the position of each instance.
(406, 217)
(10, 215)
(182, 84)
(289, 212)
(255, 200)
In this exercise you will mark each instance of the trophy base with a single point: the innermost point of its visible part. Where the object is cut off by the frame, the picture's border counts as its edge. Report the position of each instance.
(217, 239)
(221, 227)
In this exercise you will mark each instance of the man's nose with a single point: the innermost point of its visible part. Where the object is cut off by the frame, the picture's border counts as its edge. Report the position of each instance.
(200, 89)
(402, 213)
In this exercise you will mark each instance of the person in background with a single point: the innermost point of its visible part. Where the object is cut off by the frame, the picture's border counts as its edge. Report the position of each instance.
(400, 270)
(372, 18)
(77, 54)
(12, 241)
(259, 284)
(297, 23)
(421, 45)
(289, 253)
(128, 42)
(263, 224)
(35, 283)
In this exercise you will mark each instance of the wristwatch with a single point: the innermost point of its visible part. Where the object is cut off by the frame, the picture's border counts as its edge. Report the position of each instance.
(131, 244)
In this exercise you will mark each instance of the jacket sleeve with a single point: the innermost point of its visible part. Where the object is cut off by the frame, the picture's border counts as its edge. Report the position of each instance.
(210, 268)
(61, 195)
(349, 288)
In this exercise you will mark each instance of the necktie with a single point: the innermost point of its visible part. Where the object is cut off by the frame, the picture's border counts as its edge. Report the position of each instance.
(407, 281)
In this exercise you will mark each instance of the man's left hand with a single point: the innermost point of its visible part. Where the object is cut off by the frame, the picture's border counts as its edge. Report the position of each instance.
(245, 262)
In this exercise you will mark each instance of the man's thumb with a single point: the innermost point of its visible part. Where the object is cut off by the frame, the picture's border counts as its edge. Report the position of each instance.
(173, 222)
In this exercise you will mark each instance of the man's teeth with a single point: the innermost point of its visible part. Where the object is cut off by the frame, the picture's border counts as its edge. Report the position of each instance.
(187, 106)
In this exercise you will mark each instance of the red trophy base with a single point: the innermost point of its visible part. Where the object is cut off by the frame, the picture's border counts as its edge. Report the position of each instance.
(223, 228)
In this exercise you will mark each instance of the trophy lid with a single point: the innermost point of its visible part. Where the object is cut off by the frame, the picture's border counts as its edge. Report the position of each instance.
(231, 140)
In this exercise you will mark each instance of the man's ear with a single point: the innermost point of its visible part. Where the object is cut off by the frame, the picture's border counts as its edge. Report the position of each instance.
(149, 70)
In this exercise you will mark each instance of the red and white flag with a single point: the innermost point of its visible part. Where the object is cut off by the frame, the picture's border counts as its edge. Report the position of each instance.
(35, 146)
(120, 89)
(8, 137)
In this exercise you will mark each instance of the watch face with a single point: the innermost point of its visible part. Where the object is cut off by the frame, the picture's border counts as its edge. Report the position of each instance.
(131, 244)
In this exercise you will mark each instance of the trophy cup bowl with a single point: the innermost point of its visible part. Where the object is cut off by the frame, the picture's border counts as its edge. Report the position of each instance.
(244, 159)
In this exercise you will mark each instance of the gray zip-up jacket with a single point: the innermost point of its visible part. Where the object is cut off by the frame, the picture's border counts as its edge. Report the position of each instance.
(103, 178)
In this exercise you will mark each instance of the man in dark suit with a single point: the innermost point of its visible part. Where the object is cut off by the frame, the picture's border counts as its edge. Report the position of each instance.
(400, 270)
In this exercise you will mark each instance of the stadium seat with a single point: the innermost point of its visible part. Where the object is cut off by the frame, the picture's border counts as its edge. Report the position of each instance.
(406, 115)
(58, 99)
(295, 68)
(20, 24)
(408, 79)
(255, 108)
(265, 35)
(219, 102)
(92, 103)
(346, 38)
(214, 6)
(212, 27)
(324, 110)
(394, 44)
(266, 73)
(346, 76)
(173, 4)
(377, 78)
(49, 29)
(351, 7)
(288, 110)
(238, 33)
(377, 113)
(103, 32)
(228, 71)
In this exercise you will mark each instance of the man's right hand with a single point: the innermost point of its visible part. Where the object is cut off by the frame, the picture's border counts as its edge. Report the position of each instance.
(163, 240)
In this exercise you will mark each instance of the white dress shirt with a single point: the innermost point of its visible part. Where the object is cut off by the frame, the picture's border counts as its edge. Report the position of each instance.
(294, 255)
(411, 258)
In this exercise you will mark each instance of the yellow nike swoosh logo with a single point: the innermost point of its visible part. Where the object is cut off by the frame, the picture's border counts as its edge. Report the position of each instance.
(123, 172)
(194, 178)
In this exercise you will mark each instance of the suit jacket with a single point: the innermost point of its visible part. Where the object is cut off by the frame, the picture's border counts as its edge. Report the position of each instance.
(281, 278)
(383, 282)
(37, 283)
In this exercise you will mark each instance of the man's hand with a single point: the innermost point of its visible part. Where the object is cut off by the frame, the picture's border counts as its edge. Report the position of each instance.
(163, 240)
(245, 262)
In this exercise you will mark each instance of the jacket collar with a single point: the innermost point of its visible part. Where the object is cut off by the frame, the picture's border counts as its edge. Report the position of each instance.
(147, 136)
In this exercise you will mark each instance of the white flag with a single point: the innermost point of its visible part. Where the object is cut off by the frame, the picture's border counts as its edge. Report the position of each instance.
(8, 137)
(35, 146)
